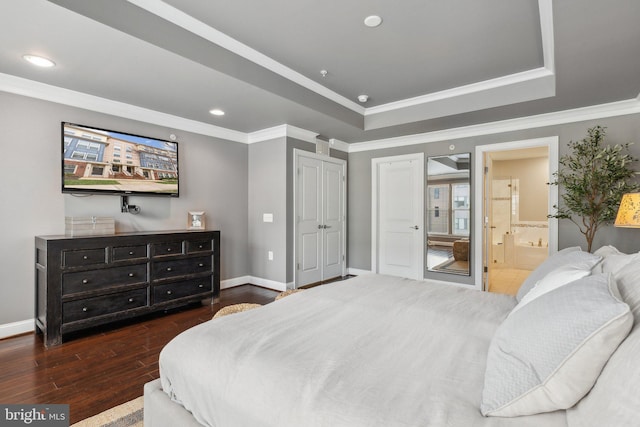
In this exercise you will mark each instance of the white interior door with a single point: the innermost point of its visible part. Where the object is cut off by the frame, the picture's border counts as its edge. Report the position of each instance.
(332, 220)
(309, 227)
(399, 216)
(321, 225)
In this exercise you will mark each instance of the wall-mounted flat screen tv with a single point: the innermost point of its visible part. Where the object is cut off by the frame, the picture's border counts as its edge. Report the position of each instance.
(102, 161)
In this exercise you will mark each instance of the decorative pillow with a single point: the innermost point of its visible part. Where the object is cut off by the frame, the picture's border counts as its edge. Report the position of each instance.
(569, 256)
(556, 278)
(611, 402)
(547, 355)
(613, 260)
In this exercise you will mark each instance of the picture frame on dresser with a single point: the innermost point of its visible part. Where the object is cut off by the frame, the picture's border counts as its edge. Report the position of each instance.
(83, 282)
(195, 220)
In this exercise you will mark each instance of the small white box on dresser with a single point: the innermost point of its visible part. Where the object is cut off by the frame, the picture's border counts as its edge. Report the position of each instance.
(89, 226)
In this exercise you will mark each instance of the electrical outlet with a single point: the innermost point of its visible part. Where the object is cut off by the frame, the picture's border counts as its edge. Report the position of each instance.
(270, 255)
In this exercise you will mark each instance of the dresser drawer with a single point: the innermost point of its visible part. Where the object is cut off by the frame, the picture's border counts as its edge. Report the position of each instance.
(181, 267)
(79, 258)
(166, 249)
(194, 246)
(92, 307)
(82, 281)
(123, 253)
(185, 288)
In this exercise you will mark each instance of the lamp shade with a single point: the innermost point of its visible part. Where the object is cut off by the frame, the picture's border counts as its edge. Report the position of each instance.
(629, 211)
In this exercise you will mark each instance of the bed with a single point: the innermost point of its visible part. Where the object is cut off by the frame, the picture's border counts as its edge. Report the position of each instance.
(378, 350)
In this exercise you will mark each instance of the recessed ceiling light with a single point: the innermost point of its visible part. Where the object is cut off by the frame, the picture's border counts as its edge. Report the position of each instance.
(372, 21)
(217, 112)
(39, 61)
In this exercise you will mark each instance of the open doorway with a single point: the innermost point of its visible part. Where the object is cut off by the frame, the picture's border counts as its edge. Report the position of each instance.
(516, 199)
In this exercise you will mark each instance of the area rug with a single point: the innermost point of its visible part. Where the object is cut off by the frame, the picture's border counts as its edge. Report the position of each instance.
(453, 266)
(129, 414)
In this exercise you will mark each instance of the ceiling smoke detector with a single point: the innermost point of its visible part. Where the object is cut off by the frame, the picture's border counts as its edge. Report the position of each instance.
(372, 21)
(363, 98)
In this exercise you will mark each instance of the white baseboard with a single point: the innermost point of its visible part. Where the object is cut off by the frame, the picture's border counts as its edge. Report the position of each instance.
(236, 281)
(357, 271)
(16, 328)
(270, 284)
(265, 283)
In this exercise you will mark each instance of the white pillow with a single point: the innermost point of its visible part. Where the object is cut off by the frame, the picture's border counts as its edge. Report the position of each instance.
(556, 278)
(613, 260)
(612, 401)
(547, 355)
(573, 256)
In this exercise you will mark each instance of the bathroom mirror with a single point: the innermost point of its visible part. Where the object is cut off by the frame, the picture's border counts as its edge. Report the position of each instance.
(449, 214)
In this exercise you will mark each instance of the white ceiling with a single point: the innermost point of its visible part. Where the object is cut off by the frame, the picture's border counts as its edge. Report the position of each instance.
(431, 65)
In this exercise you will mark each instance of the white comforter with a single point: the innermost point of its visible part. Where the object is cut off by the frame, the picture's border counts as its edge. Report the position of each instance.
(366, 352)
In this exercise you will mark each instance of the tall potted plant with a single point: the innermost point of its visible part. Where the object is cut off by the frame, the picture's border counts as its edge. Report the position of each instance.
(594, 177)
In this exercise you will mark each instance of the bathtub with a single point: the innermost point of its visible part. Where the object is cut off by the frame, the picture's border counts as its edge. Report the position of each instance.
(528, 257)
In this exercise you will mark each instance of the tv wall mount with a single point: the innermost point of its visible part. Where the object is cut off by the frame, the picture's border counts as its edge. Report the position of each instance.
(125, 207)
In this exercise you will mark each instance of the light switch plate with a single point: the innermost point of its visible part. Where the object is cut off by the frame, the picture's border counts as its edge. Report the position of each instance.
(267, 217)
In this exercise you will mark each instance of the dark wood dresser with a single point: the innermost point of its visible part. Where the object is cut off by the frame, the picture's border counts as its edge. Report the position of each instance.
(83, 282)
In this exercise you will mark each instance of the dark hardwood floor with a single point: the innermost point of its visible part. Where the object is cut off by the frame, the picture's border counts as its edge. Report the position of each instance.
(104, 367)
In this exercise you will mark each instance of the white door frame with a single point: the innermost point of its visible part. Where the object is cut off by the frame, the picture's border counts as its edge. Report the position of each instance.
(297, 153)
(374, 206)
(479, 219)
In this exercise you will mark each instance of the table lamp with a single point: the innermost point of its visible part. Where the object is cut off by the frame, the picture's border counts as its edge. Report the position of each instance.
(629, 211)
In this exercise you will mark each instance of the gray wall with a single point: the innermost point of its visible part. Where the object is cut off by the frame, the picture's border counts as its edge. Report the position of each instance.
(619, 130)
(267, 194)
(271, 183)
(213, 179)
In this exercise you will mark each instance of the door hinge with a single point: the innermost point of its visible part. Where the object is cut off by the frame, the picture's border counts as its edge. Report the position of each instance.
(486, 269)
(486, 170)
(298, 266)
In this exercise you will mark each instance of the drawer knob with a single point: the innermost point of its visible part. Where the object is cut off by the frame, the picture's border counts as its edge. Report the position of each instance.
(85, 281)
(130, 252)
(168, 249)
(200, 246)
(169, 292)
(85, 309)
(131, 274)
(169, 269)
(201, 285)
(130, 299)
(85, 257)
(200, 265)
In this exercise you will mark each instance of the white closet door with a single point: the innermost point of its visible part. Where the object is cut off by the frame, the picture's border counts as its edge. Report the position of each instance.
(309, 212)
(333, 220)
(320, 211)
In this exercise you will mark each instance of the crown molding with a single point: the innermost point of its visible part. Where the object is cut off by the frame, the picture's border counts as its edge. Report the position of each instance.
(336, 144)
(46, 92)
(195, 26)
(33, 89)
(525, 86)
(281, 131)
(613, 109)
